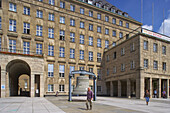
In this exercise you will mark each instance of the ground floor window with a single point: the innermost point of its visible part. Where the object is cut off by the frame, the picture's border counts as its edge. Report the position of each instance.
(61, 88)
(50, 88)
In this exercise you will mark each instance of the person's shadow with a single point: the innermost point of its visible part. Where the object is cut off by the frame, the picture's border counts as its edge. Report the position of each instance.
(82, 108)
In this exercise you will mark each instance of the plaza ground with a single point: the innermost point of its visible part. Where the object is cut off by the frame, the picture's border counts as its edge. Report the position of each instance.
(102, 105)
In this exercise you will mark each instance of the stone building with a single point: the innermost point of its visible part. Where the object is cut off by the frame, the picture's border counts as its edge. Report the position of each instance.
(136, 64)
(46, 39)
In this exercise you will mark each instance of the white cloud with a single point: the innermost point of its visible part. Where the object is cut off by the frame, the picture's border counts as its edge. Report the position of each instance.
(166, 27)
(149, 27)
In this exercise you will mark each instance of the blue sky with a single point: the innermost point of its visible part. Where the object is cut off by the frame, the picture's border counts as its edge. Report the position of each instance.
(133, 8)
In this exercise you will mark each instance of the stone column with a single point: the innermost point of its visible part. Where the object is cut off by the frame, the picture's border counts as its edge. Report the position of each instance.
(119, 88)
(32, 91)
(159, 88)
(128, 88)
(111, 88)
(167, 88)
(41, 85)
(3, 83)
(140, 85)
(150, 87)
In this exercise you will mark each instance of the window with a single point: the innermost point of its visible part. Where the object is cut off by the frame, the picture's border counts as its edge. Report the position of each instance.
(26, 10)
(114, 69)
(81, 54)
(114, 55)
(72, 22)
(51, 50)
(132, 47)
(114, 44)
(106, 44)
(39, 14)
(122, 67)
(12, 25)
(72, 37)
(122, 51)
(155, 64)
(50, 33)
(91, 13)
(164, 50)
(61, 88)
(121, 23)
(99, 42)
(12, 46)
(0, 23)
(127, 25)
(81, 39)
(145, 45)
(145, 63)
(91, 27)
(91, 70)
(120, 13)
(113, 10)
(26, 28)
(114, 21)
(40, 0)
(82, 11)
(98, 29)
(50, 88)
(107, 31)
(39, 49)
(62, 52)
(107, 71)
(62, 35)
(12, 7)
(132, 64)
(50, 70)
(72, 8)
(114, 33)
(61, 70)
(62, 20)
(26, 48)
(99, 74)
(98, 5)
(99, 58)
(90, 56)
(107, 58)
(120, 35)
(106, 18)
(82, 25)
(90, 41)
(51, 2)
(72, 53)
(62, 4)
(51, 17)
(99, 16)
(0, 44)
(164, 66)
(39, 30)
(106, 7)
(155, 47)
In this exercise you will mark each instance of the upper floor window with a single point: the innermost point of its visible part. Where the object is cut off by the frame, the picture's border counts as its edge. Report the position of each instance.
(62, 19)
(26, 47)
(145, 45)
(99, 58)
(26, 10)
(39, 14)
(72, 22)
(81, 39)
(114, 21)
(120, 13)
(82, 25)
(155, 47)
(99, 29)
(164, 66)
(61, 70)
(114, 55)
(127, 25)
(72, 8)
(155, 64)
(122, 67)
(26, 28)
(145, 63)
(72, 53)
(98, 5)
(62, 4)
(72, 37)
(81, 54)
(113, 10)
(39, 30)
(164, 50)
(99, 16)
(114, 69)
(50, 70)
(90, 41)
(39, 49)
(99, 42)
(50, 32)
(106, 18)
(82, 11)
(132, 64)
(62, 52)
(106, 43)
(121, 23)
(51, 2)
(114, 44)
(91, 27)
(132, 46)
(90, 56)
(114, 33)
(12, 46)
(107, 31)
(120, 35)
(62, 35)
(12, 25)
(91, 13)
(12, 7)
(51, 17)
(122, 51)
(51, 50)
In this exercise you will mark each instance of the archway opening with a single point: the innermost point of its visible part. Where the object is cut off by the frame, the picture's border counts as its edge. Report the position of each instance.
(23, 85)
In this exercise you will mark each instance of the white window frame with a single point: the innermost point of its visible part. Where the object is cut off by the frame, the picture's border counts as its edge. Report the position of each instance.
(38, 48)
(26, 10)
(61, 71)
(12, 7)
(145, 63)
(99, 41)
(81, 39)
(62, 19)
(26, 27)
(26, 47)
(51, 16)
(106, 43)
(72, 37)
(50, 50)
(12, 46)
(90, 56)
(72, 53)
(62, 52)
(50, 88)
(90, 41)
(50, 70)
(61, 88)
(39, 14)
(81, 54)
(39, 30)
(50, 32)
(12, 25)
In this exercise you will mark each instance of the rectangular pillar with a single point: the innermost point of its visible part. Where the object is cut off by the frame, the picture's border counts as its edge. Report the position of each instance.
(167, 88)
(41, 85)
(119, 88)
(32, 91)
(128, 88)
(140, 85)
(150, 87)
(159, 88)
(111, 88)
(3, 83)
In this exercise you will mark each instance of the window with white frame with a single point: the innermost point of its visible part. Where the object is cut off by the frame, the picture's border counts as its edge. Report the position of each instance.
(120, 13)
(61, 88)
(82, 25)
(106, 43)
(99, 16)
(62, 20)
(39, 49)
(98, 5)
(82, 11)
(81, 39)
(26, 10)
(12, 7)
(50, 87)
(164, 66)
(114, 55)
(120, 35)
(121, 23)
(12, 46)
(107, 71)
(99, 29)
(132, 46)
(98, 74)
(145, 45)
(106, 31)
(50, 70)
(91, 13)
(113, 10)
(12, 25)
(61, 70)
(51, 50)
(122, 67)
(91, 27)
(72, 22)
(50, 33)
(107, 18)
(99, 42)
(26, 47)
(62, 4)
(114, 33)
(90, 41)
(114, 44)
(72, 53)
(132, 64)
(99, 58)
(72, 37)
(51, 17)
(51, 2)
(62, 52)
(62, 35)
(155, 64)
(72, 8)
(164, 50)
(122, 51)
(127, 25)
(145, 63)
(39, 14)
(39, 30)
(114, 69)
(81, 54)
(26, 28)
(114, 21)
(90, 56)
(155, 47)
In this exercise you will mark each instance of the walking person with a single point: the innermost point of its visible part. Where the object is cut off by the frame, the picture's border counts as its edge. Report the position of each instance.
(164, 94)
(147, 96)
(89, 98)
(155, 93)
